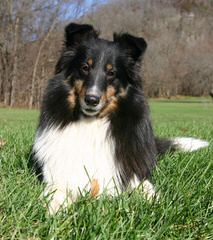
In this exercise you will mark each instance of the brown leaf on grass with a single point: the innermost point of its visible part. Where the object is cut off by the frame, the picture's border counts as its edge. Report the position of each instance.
(2, 143)
(95, 187)
(184, 130)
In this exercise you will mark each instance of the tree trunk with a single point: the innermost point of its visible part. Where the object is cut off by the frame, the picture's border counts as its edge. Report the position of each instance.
(5, 76)
(36, 65)
(15, 64)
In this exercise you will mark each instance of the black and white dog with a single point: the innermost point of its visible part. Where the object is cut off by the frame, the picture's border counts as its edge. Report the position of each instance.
(95, 132)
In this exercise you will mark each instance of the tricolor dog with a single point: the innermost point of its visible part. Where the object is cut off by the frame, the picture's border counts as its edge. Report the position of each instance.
(95, 133)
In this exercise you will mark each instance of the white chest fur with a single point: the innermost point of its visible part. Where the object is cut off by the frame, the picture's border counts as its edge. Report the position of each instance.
(76, 155)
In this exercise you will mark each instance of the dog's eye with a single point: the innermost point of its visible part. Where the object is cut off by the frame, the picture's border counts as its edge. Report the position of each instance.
(110, 73)
(85, 68)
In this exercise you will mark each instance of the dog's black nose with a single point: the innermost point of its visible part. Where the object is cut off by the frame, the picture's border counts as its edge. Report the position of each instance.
(92, 100)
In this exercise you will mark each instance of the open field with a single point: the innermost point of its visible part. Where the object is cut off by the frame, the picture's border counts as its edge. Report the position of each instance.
(184, 180)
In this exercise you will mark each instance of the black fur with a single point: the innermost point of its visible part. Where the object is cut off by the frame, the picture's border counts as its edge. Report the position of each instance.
(35, 166)
(136, 147)
(164, 145)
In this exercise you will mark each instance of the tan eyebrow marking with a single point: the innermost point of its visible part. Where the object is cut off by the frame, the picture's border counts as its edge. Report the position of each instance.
(110, 92)
(109, 66)
(90, 61)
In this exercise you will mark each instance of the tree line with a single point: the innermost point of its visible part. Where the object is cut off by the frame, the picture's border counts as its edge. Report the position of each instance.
(179, 33)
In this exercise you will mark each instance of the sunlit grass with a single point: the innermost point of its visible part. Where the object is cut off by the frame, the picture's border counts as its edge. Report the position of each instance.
(184, 181)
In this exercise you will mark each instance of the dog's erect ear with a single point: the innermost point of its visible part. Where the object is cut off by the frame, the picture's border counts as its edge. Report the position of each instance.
(134, 45)
(76, 33)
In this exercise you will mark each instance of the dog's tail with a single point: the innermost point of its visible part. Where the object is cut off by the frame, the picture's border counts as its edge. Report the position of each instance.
(185, 144)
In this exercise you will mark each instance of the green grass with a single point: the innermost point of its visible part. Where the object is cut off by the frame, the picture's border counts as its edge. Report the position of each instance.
(184, 180)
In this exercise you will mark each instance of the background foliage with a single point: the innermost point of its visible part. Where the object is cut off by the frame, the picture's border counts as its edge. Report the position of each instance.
(179, 35)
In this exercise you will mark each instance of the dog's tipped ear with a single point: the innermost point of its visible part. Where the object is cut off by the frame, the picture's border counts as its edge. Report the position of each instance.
(76, 33)
(134, 45)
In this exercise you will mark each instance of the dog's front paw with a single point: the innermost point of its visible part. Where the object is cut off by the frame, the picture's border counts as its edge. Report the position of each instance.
(57, 198)
(149, 191)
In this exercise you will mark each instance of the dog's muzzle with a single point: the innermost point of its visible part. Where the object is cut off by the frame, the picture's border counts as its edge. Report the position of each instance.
(92, 100)
(91, 104)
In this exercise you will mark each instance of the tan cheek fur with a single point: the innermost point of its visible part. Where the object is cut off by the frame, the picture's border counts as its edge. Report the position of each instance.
(112, 101)
(78, 89)
(78, 86)
(111, 107)
(72, 98)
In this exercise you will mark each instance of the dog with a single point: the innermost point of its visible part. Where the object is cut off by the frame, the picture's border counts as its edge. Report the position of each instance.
(94, 133)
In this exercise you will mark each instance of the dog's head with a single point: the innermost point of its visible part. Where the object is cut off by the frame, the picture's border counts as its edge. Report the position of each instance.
(98, 72)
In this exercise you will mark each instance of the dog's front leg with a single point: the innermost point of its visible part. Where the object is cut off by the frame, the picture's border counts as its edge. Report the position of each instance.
(148, 188)
(58, 197)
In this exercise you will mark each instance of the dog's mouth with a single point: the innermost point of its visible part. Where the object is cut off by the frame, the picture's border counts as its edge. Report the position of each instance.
(89, 110)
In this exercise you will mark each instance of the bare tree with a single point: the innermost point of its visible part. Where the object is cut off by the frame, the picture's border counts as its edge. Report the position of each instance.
(15, 63)
(179, 35)
(56, 11)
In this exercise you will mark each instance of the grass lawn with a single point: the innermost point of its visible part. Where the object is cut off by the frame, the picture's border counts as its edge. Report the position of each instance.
(184, 180)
